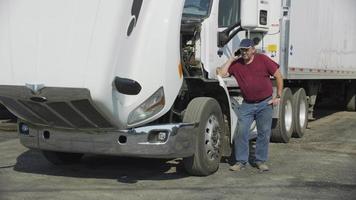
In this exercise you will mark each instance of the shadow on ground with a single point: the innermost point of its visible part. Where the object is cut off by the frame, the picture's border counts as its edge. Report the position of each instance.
(123, 169)
(324, 111)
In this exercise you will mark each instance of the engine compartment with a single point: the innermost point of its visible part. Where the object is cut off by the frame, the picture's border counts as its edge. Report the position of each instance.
(190, 49)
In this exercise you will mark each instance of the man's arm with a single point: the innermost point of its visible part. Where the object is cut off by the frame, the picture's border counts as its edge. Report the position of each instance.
(279, 80)
(223, 70)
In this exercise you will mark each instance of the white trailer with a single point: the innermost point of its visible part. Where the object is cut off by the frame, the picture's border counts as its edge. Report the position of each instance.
(137, 78)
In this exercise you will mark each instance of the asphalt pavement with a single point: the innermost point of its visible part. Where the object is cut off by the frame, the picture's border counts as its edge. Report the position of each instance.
(321, 165)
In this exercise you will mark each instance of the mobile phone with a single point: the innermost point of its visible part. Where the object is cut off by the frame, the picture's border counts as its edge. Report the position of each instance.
(237, 53)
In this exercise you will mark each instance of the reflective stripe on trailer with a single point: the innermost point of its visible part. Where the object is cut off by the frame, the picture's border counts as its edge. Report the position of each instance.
(316, 70)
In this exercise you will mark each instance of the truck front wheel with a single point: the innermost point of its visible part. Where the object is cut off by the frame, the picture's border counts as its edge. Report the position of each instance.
(61, 158)
(207, 154)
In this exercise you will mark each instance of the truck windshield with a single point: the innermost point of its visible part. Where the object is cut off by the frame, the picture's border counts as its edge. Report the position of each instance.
(197, 8)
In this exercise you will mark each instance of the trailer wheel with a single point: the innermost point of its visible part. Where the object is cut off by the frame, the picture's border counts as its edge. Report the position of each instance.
(283, 126)
(252, 152)
(209, 136)
(351, 97)
(61, 158)
(300, 113)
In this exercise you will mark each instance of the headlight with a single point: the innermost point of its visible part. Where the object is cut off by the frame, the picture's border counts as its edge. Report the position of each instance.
(147, 109)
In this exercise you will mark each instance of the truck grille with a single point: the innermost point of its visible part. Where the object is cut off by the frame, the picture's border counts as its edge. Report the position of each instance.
(62, 109)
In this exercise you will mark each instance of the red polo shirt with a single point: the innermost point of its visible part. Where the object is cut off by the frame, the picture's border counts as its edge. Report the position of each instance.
(254, 78)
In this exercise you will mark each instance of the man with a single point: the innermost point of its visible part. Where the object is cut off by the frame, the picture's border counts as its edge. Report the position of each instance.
(252, 72)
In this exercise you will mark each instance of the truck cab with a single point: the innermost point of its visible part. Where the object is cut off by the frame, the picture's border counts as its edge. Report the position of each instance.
(128, 78)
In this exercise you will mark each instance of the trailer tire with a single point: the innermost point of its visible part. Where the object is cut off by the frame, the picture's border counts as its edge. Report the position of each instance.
(252, 152)
(282, 128)
(62, 158)
(351, 97)
(300, 113)
(206, 158)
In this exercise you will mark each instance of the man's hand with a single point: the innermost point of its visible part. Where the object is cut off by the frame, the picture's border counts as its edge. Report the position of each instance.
(219, 72)
(223, 70)
(275, 101)
(233, 59)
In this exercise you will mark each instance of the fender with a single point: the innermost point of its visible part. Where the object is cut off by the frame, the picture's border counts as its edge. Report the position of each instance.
(233, 116)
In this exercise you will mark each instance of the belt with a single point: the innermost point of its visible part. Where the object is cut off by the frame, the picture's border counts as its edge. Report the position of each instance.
(256, 101)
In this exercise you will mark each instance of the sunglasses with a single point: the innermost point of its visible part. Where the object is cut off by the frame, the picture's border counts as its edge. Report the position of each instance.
(245, 49)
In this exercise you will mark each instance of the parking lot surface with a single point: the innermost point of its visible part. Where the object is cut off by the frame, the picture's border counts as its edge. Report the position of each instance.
(321, 165)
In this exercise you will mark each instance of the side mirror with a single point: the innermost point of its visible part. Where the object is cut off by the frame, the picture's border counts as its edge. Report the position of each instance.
(225, 36)
(223, 39)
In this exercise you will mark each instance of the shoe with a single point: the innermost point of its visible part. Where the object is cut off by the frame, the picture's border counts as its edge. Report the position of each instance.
(237, 167)
(262, 167)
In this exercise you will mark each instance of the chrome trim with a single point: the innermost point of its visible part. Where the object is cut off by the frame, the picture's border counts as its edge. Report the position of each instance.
(35, 88)
(212, 138)
(171, 127)
(180, 142)
(288, 115)
(303, 109)
(284, 39)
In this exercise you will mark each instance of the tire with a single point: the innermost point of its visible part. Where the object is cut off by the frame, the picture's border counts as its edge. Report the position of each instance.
(300, 113)
(351, 97)
(62, 158)
(252, 153)
(206, 158)
(282, 128)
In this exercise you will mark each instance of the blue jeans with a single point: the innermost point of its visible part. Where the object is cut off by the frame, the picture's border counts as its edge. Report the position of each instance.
(262, 113)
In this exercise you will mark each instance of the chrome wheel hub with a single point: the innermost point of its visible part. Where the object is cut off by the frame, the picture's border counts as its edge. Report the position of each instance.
(212, 138)
(288, 115)
(302, 113)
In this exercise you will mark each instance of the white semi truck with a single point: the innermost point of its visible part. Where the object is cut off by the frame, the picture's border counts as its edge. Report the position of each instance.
(137, 77)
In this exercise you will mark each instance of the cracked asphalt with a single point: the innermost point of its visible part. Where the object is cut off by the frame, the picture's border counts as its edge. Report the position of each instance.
(321, 165)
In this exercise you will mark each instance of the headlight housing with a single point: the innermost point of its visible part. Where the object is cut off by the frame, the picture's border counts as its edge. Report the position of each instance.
(150, 107)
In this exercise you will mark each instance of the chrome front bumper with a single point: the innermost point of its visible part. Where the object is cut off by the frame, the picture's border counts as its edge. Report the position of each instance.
(146, 141)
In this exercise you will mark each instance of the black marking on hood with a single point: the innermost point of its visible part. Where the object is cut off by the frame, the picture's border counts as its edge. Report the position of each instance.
(135, 12)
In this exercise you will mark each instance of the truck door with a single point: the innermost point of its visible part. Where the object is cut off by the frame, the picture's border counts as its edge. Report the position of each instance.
(228, 15)
(224, 13)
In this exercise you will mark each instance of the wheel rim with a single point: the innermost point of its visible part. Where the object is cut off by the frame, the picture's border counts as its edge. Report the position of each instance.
(302, 113)
(288, 115)
(212, 138)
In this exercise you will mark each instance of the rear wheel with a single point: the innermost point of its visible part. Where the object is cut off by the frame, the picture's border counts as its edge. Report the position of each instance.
(283, 126)
(300, 113)
(209, 136)
(61, 158)
(252, 152)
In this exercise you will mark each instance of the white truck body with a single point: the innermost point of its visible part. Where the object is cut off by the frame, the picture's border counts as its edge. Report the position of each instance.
(84, 44)
(137, 77)
(322, 40)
